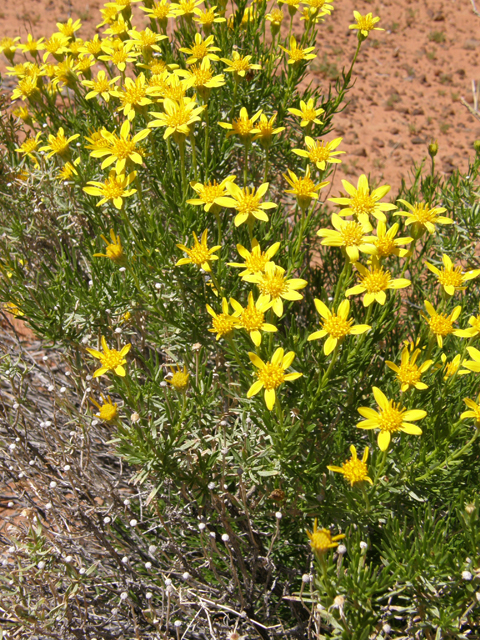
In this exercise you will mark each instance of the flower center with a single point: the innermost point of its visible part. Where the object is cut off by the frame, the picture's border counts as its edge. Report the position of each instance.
(391, 418)
(366, 23)
(174, 91)
(475, 322)
(241, 64)
(321, 540)
(211, 191)
(133, 95)
(273, 285)
(271, 375)
(123, 148)
(112, 359)
(187, 6)
(59, 144)
(114, 252)
(28, 86)
(319, 153)
(256, 261)
(179, 380)
(409, 374)
(147, 39)
(452, 277)
(385, 246)
(252, 319)
(276, 17)
(355, 470)
(441, 324)
(337, 326)
(248, 203)
(304, 187)
(242, 126)
(108, 412)
(199, 254)
(352, 233)
(223, 324)
(199, 51)
(362, 202)
(101, 85)
(452, 368)
(113, 188)
(422, 213)
(29, 145)
(202, 76)
(94, 47)
(296, 54)
(309, 115)
(376, 280)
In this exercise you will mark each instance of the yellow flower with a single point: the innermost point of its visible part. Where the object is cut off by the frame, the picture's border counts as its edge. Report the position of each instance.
(354, 470)
(185, 8)
(32, 46)
(252, 318)
(200, 76)
(24, 114)
(275, 17)
(201, 50)
(321, 540)
(320, 6)
(179, 379)
(386, 243)
(349, 235)
(68, 171)
(365, 24)
(110, 359)
(363, 203)
(473, 365)
(453, 367)
(239, 65)
(304, 188)
(271, 375)
(206, 18)
(119, 54)
(114, 188)
(307, 112)
(441, 324)
(374, 282)
(14, 309)
(114, 250)
(242, 126)
(133, 96)
(211, 194)
(391, 418)
(266, 130)
(409, 373)
(101, 85)
(119, 29)
(451, 277)
(247, 202)
(320, 153)
(29, 146)
(275, 287)
(177, 118)
(146, 41)
(297, 54)
(27, 89)
(473, 413)
(223, 324)
(8, 46)
(422, 217)
(123, 149)
(336, 325)
(68, 28)
(56, 45)
(199, 255)
(160, 11)
(293, 5)
(59, 144)
(92, 47)
(107, 410)
(255, 260)
(475, 322)
(98, 140)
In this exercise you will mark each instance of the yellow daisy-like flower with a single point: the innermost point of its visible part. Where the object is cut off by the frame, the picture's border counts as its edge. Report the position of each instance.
(24, 114)
(321, 6)
(386, 243)
(304, 188)
(179, 379)
(474, 331)
(211, 194)
(123, 149)
(13, 309)
(68, 28)
(321, 540)
(29, 146)
(108, 411)
(297, 54)
(201, 50)
(160, 11)
(266, 130)
(307, 113)
(391, 418)
(275, 17)
(206, 18)
(247, 202)
(98, 140)
(8, 46)
(101, 85)
(114, 189)
(441, 324)
(453, 367)
(68, 171)
(56, 45)
(255, 260)
(363, 203)
(293, 5)
(177, 118)
(114, 249)
(146, 41)
(239, 65)
(133, 96)
(451, 277)
(27, 89)
(223, 323)
(110, 359)
(242, 126)
(32, 46)
(336, 325)
(374, 282)
(474, 411)
(92, 47)
(350, 235)
(275, 287)
(354, 470)
(120, 55)
(319, 152)
(199, 255)
(409, 373)
(422, 217)
(252, 318)
(59, 144)
(271, 375)
(365, 24)
(185, 8)
(473, 365)
(201, 78)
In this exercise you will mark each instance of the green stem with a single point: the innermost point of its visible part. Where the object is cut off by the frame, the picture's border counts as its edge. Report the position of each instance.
(219, 225)
(265, 173)
(345, 273)
(215, 282)
(245, 162)
(454, 456)
(328, 372)
(170, 155)
(182, 167)
(381, 466)
(194, 154)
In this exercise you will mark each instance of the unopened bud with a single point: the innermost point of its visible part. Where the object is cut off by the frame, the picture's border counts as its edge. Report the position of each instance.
(433, 148)
(476, 146)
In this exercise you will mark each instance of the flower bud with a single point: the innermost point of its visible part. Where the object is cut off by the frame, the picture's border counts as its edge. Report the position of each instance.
(433, 148)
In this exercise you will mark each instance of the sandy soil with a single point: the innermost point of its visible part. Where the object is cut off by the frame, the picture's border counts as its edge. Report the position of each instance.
(409, 78)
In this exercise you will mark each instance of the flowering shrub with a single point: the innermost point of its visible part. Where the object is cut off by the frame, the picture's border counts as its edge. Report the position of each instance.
(236, 330)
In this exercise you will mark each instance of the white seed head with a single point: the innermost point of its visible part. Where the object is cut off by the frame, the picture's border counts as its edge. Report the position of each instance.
(53, 484)
(278, 515)
(41, 565)
(186, 575)
(177, 623)
(66, 467)
(123, 595)
(386, 629)
(151, 549)
(125, 560)
(51, 387)
(363, 545)
(148, 565)
(341, 549)
(149, 595)
(133, 522)
(82, 571)
(466, 575)
(306, 578)
(68, 559)
(211, 486)
(225, 537)
(168, 582)
(107, 520)
(202, 526)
